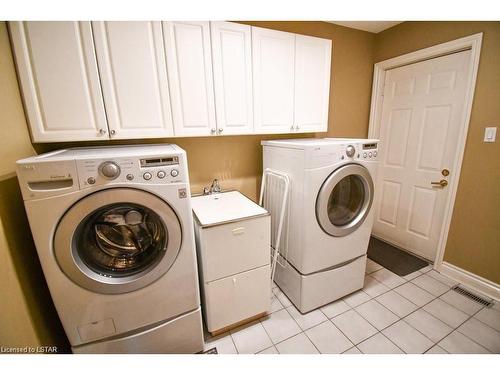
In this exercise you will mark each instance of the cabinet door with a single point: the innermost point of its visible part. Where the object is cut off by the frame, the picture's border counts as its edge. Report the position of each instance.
(273, 79)
(232, 62)
(189, 63)
(57, 70)
(134, 82)
(312, 83)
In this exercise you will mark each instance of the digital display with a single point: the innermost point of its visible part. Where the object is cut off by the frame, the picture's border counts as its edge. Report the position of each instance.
(159, 162)
(369, 146)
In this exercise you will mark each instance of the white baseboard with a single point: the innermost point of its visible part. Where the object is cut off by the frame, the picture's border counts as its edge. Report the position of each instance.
(468, 279)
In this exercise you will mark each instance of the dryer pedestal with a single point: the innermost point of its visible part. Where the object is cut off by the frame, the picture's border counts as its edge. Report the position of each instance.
(308, 292)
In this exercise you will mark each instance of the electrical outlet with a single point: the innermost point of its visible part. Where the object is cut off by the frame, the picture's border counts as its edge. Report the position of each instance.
(490, 134)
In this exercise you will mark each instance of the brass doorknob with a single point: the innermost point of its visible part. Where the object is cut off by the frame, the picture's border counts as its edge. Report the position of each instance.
(442, 183)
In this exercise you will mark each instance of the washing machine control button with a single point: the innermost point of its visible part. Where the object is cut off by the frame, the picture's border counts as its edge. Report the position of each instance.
(370, 154)
(174, 173)
(91, 180)
(374, 153)
(130, 177)
(161, 174)
(365, 155)
(350, 151)
(147, 176)
(109, 170)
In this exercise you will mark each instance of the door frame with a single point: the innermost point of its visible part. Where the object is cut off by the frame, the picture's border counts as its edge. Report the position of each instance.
(472, 43)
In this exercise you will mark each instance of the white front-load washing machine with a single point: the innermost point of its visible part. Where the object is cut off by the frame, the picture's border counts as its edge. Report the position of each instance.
(114, 233)
(330, 216)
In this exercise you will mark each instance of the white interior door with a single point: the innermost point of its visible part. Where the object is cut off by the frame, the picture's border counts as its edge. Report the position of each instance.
(273, 80)
(189, 63)
(422, 110)
(57, 69)
(134, 82)
(312, 83)
(232, 62)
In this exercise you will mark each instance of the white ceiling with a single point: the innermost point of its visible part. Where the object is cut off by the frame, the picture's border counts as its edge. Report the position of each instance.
(371, 26)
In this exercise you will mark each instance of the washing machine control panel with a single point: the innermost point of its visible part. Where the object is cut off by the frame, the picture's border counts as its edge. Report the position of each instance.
(162, 169)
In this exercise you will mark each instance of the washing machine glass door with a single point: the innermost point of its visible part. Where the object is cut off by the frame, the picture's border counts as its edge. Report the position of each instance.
(117, 240)
(344, 200)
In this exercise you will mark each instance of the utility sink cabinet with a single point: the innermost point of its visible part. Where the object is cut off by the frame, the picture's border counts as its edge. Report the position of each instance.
(233, 246)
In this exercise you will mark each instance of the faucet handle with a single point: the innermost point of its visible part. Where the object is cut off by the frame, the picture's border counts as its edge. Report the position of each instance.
(215, 188)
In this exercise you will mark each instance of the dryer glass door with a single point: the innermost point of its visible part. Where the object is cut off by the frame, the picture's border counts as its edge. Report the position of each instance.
(117, 240)
(344, 200)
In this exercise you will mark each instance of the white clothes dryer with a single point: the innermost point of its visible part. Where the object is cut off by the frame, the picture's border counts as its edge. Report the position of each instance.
(114, 233)
(330, 216)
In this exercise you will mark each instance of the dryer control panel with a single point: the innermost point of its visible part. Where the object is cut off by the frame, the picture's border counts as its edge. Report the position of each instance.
(361, 151)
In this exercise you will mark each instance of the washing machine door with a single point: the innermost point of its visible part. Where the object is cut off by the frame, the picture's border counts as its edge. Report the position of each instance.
(344, 200)
(117, 240)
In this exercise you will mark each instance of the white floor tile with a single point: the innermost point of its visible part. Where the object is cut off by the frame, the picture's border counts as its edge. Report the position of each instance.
(414, 294)
(285, 302)
(429, 325)
(489, 317)
(356, 298)
(439, 277)
(436, 349)
(376, 314)
(308, 320)
(298, 344)
(397, 303)
(456, 343)
(374, 288)
(372, 266)
(482, 334)
(388, 278)
(280, 326)
(412, 275)
(328, 339)
(353, 350)
(335, 308)
(354, 326)
(271, 350)
(275, 303)
(460, 302)
(224, 344)
(407, 338)
(496, 305)
(446, 313)
(379, 344)
(251, 338)
(426, 268)
(431, 285)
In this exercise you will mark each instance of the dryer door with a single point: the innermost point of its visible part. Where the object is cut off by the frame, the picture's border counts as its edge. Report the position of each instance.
(344, 200)
(117, 240)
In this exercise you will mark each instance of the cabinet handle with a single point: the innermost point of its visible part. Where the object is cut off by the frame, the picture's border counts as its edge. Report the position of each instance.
(212, 131)
(102, 131)
(297, 127)
(291, 128)
(112, 132)
(220, 130)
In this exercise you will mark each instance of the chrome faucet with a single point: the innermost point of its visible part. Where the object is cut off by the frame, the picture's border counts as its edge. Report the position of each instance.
(214, 188)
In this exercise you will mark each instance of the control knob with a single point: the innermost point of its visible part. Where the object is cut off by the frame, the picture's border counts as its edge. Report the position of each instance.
(109, 170)
(350, 151)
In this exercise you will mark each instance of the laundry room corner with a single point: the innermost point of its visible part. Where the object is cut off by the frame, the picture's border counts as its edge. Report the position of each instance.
(27, 307)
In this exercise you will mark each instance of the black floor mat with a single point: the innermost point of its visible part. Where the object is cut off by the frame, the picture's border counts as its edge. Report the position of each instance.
(398, 261)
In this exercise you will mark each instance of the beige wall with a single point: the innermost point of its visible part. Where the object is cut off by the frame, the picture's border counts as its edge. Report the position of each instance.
(474, 237)
(27, 316)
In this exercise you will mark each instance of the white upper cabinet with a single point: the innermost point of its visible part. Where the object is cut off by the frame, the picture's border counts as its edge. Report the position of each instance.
(57, 70)
(273, 79)
(232, 65)
(189, 63)
(133, 72)
(312, 83)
